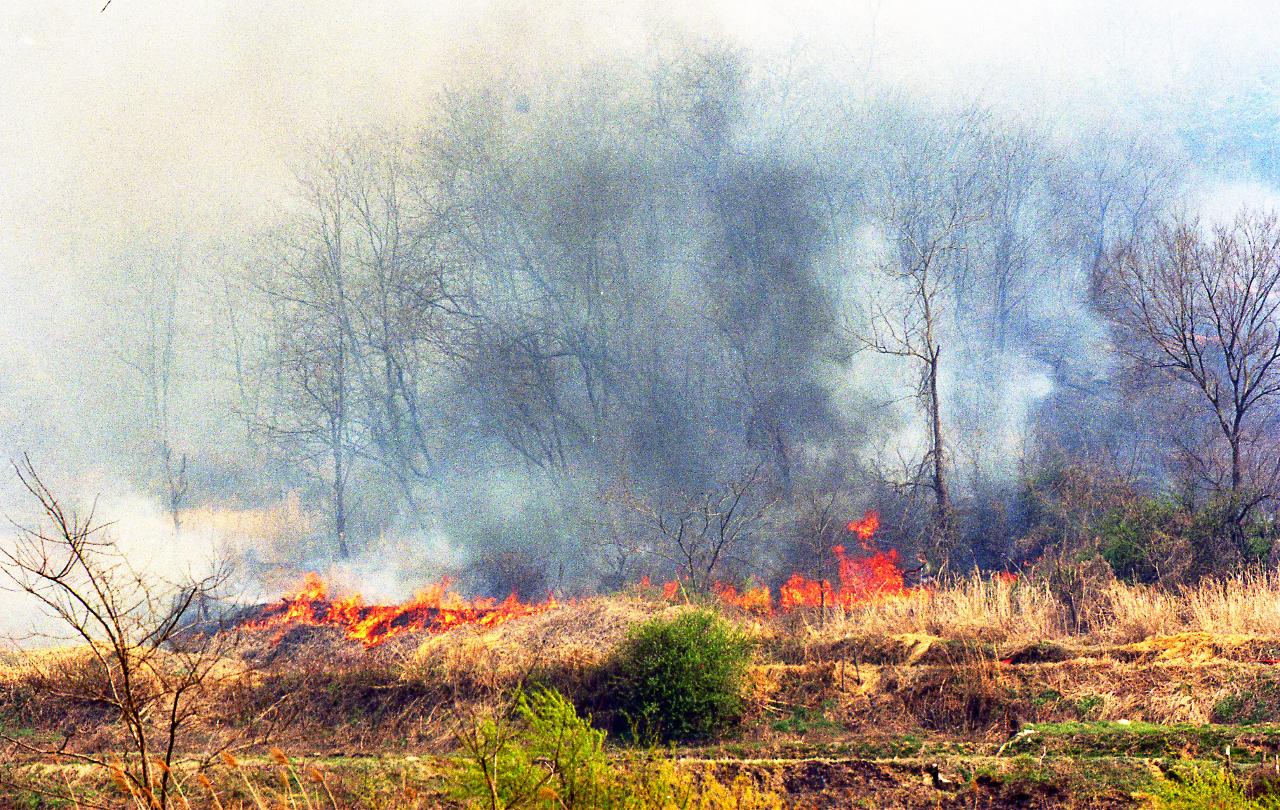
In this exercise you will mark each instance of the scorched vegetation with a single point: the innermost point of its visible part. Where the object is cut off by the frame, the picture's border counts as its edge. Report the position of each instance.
(680, 429)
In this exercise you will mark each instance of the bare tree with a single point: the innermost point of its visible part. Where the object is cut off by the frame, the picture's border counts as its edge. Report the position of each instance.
(930, 192)
(818, 522)
(613, 540)
(152, 654)
(698, 533)
(1203, 308)
(313, 363)
(1111, 189)
(149, 348)
(397, 315)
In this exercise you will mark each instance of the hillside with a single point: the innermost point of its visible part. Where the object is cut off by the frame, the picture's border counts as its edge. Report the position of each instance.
(978, 694)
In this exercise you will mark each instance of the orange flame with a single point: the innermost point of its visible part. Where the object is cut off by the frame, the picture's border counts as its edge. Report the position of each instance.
(435, 609)
(873, 576)
(755, 599)
(866, 528)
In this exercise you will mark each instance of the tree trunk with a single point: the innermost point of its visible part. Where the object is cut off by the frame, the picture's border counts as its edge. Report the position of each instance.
(942, 517)
(1003, 260)
(1235, 517)
(340, 503)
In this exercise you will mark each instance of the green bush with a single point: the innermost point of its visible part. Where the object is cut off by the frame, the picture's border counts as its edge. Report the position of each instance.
(681, 678)
(1211, 524)
(1153, 538)
(544, 756)
(1138, 538)
(1214, 788)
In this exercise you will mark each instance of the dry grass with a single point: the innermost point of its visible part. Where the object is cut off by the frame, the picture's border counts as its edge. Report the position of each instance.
(271, 525)
(976, 607)
(561, 646)
(1122, 613)
(1024, 611)
(970, 657)
(271, 781)
(21, 666)
(1248, 604)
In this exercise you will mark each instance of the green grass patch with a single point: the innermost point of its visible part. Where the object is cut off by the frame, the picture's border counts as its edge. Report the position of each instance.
(1147, 740)
(1195, 786)
(1258, 703)
(803, 720)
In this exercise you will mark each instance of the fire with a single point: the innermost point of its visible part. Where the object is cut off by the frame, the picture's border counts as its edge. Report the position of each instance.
(861, 579)
(799, 591)
(755, 599)
(435, 609)
(872, 575)
(866, 528)
(875, 575)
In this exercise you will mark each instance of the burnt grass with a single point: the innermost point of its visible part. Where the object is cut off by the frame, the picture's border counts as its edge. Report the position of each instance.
(862, 720)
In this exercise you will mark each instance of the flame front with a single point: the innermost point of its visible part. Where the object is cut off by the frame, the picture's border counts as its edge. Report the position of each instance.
(872, 575)
(755, 599)
(435, 609)
(866, 528)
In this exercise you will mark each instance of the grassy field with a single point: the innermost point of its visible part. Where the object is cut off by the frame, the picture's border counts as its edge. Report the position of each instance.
(983, 693)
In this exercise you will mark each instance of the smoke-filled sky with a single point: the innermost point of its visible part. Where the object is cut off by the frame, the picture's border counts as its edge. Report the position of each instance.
(122, 126)
(150, 116)
(150, 112)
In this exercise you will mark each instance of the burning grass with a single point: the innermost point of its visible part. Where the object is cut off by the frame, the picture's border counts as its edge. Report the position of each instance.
(965, 666)
(870, 575)
(1002, 609)
(564, 646)
(435, 609)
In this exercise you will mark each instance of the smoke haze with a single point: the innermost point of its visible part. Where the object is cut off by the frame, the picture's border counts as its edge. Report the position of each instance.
(698, 206)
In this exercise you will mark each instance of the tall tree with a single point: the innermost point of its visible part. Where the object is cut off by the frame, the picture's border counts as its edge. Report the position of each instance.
(1202, 308)
(928, 193)
(148, 345)
(313, 364)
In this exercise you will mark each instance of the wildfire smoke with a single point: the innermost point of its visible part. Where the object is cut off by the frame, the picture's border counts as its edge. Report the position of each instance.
(874, 574)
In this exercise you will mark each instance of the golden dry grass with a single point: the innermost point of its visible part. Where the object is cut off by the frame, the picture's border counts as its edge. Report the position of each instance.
(1139, 653)
(279, 522)
(975, 607)
(564, 642)
(21, 665)
(1026, 610)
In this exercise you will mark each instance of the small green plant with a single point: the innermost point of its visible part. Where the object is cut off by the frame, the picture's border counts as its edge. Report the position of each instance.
(546, 757)
(804, 720)
(1215, 788)
(681, 678)
(1088, 706)
(1259, 704)
(15, 732)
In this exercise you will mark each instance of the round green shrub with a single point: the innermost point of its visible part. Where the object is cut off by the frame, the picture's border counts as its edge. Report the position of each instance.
(681, 678)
